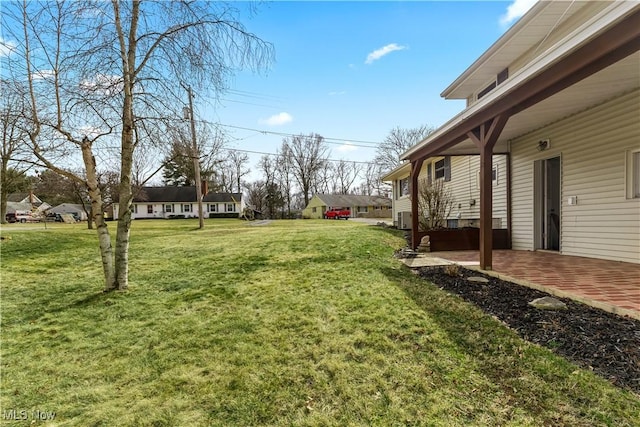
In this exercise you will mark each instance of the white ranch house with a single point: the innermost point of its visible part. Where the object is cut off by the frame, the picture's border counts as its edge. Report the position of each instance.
(181, 202)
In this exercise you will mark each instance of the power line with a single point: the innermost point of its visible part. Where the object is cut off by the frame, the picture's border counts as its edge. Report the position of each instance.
(326, 139)
(276, 154)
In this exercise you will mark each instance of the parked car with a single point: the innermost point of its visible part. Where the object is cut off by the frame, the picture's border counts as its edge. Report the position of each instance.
(337, 214)
(21, 217)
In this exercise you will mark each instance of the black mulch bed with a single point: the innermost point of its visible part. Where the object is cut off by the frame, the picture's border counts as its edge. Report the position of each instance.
(592, 338)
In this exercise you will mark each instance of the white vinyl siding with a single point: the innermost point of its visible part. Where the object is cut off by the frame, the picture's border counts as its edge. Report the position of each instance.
(464, 189)
(594, 146)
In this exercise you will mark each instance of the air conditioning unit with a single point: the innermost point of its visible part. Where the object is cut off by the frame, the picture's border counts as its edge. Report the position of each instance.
(404, 220)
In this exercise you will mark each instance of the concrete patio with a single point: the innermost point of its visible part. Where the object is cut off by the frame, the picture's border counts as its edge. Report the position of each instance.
(609, 285)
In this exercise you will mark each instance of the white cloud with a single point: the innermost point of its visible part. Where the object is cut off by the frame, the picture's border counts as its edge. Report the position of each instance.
(103, 84)
(43, 75)
(515, 10)
(277, 120)
(379, 53)
(6, 47)
(346, 147)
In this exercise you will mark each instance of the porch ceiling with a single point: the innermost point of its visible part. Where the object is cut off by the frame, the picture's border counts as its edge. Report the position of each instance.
(621, 77)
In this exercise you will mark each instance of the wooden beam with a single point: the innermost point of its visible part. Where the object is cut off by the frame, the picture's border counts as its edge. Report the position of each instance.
(486, 208)
(485, 136)
(416, 166)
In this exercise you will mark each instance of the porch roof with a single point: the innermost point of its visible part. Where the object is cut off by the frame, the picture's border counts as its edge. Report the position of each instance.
(594, 63)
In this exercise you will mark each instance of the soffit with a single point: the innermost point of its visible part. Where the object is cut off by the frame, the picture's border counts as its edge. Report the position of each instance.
(619, 78)
(522, 37)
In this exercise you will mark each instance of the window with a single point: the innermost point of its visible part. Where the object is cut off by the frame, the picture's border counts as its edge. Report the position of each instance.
(314, 210)
(363, 209)
(487, 89)
(149, 209)
(186, 208)
(494, 177)
(135, 209)
(168, 208)
(633, 174)
(442, 169)
(452, 223)
(231, 207)
(403, 187)
(500, 78)
(212, 207)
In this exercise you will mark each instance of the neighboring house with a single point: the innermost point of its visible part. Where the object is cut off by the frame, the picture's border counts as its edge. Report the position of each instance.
(559, 92)
(27, 197)
(13, 207)
(181, 202)
(27, 202)
(74, 209)
(461, 177)
(360, 206)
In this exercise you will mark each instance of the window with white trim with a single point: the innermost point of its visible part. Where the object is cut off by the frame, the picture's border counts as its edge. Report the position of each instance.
(168, 208)
(231, 207)
(212, 207)
(494, 177)
(186, 208)
(403, 187)
(149, 209)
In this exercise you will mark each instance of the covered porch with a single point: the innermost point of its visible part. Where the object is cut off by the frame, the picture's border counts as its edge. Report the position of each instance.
(609, 285)
(593, 64)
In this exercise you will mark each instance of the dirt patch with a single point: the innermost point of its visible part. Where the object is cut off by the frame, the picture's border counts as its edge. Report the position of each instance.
(593, 339)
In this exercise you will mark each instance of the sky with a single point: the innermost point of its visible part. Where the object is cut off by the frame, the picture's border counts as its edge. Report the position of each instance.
(353, 71)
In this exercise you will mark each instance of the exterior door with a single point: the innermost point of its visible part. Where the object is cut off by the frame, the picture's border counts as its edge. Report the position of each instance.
(547, 204)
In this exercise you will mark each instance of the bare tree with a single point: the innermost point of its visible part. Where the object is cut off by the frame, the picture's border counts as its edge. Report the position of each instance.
(14, 137)
(256, 195)
(434, 204)
(396, 143)
(237, 161)
(103, 74)
(284, 175)
(346, 174)
(308, 155)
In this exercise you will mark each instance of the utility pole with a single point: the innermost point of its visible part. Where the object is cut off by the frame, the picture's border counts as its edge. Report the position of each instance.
(196, 160)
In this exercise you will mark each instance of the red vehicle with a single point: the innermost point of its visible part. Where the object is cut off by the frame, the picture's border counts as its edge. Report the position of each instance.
(337, 214)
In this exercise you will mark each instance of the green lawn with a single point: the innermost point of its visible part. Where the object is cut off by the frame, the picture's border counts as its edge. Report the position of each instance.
(297, 323)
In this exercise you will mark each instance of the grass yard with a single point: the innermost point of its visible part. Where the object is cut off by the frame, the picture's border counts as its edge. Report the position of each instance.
(297, 323)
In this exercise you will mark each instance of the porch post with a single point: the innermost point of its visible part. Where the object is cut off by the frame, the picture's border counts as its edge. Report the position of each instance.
(416, 165)
(486, 208)
(485, 137)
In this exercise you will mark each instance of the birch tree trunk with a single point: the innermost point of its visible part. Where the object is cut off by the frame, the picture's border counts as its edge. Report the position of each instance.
(128, 56)
(104, 239)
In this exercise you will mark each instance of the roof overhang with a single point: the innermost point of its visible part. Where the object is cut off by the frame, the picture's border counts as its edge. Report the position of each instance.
(401, 171)
(594, 63)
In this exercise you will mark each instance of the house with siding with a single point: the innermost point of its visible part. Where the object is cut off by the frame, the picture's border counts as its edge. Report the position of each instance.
(359, 205)
(559, 95)
(461, 177)
(182, 202)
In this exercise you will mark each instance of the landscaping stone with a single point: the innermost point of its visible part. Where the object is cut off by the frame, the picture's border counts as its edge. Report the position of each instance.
(478, 279)
(425, 244)
(548, 303)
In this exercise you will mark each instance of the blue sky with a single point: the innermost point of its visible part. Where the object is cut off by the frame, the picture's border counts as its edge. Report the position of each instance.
(355, 70)
(352, 71)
